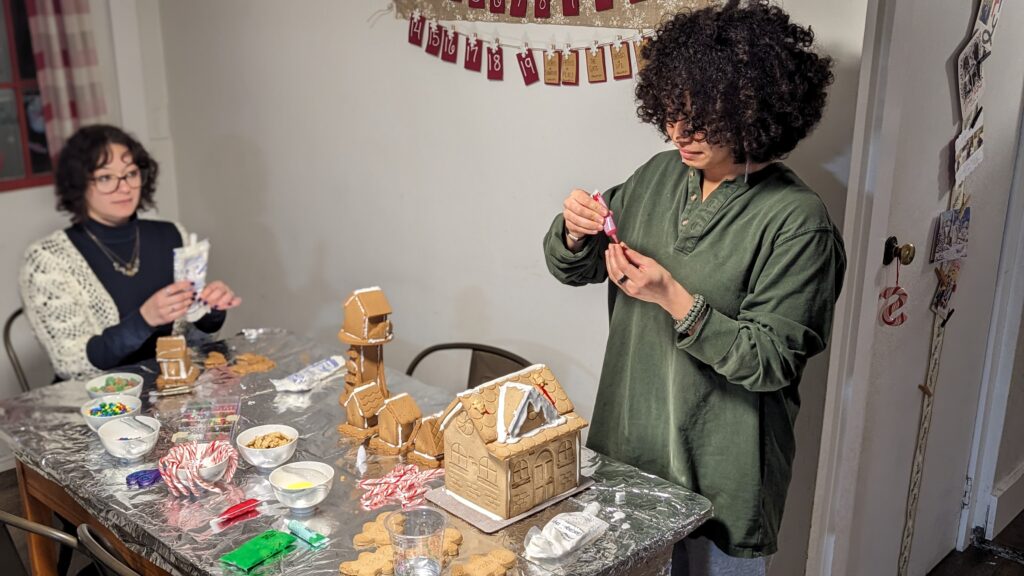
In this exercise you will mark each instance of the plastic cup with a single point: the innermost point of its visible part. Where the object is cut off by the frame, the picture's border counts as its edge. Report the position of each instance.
(417, 535)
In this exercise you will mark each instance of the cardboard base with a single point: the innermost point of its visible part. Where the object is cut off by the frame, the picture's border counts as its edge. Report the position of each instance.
(489, 525)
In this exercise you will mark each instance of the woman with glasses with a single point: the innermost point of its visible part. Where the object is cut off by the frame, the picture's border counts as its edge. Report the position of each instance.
(99, 293)
(725, 278)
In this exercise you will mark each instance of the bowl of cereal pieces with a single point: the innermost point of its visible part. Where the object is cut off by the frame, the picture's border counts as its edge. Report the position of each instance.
(267, 446)
(115, 383)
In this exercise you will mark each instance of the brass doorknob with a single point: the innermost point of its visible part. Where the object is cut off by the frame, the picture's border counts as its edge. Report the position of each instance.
(893, 250)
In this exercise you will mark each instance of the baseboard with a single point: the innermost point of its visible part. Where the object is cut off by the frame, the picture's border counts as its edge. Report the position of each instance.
(1008, 499)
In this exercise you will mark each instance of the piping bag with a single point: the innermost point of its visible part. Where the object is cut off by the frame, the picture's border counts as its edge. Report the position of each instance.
(565, 534)
(609, 223)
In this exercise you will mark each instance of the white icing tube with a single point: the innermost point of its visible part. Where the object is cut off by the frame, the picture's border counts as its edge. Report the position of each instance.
(310, 376)
(190, 264)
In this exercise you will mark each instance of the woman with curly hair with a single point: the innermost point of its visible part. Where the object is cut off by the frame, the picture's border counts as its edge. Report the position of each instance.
(99, 293)
(725, 279)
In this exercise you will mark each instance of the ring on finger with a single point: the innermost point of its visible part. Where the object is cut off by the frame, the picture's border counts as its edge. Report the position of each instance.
(624, 279)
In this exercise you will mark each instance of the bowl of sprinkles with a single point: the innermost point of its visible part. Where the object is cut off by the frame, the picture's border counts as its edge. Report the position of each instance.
(115, 383)
(99, 411)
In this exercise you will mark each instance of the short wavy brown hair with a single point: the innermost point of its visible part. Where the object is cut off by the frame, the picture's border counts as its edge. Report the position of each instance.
(745, 74)
(89, 149)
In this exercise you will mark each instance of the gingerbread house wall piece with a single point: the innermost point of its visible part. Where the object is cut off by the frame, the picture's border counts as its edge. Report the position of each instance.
(513, 443)
(367, 322)
(362, 405)
(396, 419)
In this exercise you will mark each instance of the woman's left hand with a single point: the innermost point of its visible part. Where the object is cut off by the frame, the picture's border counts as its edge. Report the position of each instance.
(218, 296)
(644, 279)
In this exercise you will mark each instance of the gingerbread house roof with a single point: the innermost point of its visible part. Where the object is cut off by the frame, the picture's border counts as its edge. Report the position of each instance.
(500, 407)
(360, 306)
(368, 398)
(402, 408)
(170, 347)
(429, 437)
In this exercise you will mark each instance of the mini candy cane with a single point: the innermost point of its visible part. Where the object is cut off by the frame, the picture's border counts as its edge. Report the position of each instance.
(405, 483)
(610, 230)
(889, 311)
(188, 458)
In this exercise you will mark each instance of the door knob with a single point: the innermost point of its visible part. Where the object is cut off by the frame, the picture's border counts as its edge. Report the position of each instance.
(893, 250)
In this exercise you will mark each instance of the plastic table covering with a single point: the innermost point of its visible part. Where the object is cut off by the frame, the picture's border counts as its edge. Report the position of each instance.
(45, 430)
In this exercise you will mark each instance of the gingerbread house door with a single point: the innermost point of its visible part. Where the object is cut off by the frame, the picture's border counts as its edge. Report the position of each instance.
(544, 476)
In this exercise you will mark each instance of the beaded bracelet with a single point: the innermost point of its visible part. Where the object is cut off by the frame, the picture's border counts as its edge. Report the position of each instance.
(697, 310)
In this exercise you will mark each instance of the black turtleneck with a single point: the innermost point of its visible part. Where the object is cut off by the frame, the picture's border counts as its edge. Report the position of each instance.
(132, 340)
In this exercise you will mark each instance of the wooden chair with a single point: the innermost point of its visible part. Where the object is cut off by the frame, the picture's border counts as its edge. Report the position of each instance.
(485, 363)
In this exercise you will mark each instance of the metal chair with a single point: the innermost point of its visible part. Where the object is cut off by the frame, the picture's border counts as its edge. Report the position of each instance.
(9, 559)
(485, 363)
(11, 354)
(99, 550)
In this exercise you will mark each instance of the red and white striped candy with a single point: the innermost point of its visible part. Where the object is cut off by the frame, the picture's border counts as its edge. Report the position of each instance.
(188, 458)
(405, 484)
(891, 307)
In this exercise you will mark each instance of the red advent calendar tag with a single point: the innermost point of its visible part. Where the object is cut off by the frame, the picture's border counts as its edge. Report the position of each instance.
(542, 8)
(528, 66)
(602, 5)
(476, 3)
(517, 9)
(570, 7)
(416, 26)
(595, 65)
(621, 67)
(434, 40)
(497, 6)
(553, 68)
(495, 68)
(571, 68)
(474, 54)
(449, 45)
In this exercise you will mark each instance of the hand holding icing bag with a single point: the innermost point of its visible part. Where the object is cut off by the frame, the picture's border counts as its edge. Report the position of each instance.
(190, 264)
(565, 534)
(609, 223)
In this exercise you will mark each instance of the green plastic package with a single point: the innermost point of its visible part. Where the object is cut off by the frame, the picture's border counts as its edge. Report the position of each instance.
(259, 549)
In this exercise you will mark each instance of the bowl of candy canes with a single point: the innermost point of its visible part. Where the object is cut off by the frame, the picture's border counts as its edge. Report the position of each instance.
(192, 467)
(102, 410)
(116, 383)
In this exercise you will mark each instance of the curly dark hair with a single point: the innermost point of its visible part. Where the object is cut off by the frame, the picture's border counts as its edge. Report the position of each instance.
(89, 149)
(746, 75)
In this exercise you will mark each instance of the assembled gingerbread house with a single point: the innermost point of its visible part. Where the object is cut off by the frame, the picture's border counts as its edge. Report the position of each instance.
(176, 367)
(365, 328)
(512, 444)
(428, 441)
(361, 407)
(397, 419)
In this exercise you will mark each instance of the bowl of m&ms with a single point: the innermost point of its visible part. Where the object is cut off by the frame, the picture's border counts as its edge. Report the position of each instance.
(116, 383)
(102, 410)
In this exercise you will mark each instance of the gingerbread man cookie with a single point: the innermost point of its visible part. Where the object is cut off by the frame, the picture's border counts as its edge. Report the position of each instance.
(380, 562)
(452, 541)
(494, 563)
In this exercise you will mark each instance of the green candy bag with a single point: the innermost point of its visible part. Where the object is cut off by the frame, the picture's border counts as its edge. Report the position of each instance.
(259, 549)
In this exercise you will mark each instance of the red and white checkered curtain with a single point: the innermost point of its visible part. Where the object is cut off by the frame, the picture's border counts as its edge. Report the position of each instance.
(67, 67)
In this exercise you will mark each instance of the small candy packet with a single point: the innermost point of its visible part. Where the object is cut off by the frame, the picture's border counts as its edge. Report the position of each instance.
(258, 550)
(310, 376)
(315, 539)
(190, 264)
(609, 223)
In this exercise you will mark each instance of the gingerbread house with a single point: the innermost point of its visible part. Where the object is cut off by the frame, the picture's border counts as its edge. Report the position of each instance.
(176, 367)
(365, 328)
(512, 444)
(361, 407)
(428, 441)
(397, 419)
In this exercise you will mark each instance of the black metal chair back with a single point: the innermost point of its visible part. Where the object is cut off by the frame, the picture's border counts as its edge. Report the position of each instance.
(9, 558)
(99, 550)
(11, 354)
(485, 363)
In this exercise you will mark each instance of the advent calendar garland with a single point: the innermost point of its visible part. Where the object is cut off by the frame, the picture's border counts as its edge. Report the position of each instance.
(560, 65)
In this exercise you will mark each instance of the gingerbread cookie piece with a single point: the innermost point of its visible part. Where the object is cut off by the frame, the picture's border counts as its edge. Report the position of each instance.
(380, 562)
(215, 360)
(373, 534)
(452, 541)
(249, 363)
(494, 563)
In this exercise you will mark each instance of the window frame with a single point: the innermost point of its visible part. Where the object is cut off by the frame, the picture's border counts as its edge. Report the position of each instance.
(19, 85)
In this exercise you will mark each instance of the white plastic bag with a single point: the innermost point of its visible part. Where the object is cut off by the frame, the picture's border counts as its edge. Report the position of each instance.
(565, 534)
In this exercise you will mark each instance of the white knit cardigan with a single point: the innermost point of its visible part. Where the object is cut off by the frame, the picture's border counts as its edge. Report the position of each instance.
(65, 303)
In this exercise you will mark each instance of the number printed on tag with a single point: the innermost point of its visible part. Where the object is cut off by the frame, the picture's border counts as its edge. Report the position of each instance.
(528, 66)
(571, 7)
(621, 67)
(595, 65)
(449, 45)
(474, 54)
(553, 68)
(542, 8)
(416, 26)
(497, 6)
(434, 40)
(517, 8)
(476, 3)
(495, 66)
(571, 68)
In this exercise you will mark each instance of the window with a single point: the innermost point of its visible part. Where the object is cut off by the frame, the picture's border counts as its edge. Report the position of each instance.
(488, 472)
(458, 457)
(520, 473)
(566, 453)
(24, 155)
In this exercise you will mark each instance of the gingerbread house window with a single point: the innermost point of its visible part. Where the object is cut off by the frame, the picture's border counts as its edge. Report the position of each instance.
(458, 457)
(488, 471)
(566, 453)
(520, 473)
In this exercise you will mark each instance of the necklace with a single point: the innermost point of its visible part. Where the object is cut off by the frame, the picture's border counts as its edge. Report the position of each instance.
(130, 268)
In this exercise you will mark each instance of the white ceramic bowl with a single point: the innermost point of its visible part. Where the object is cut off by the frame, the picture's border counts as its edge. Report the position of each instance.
(267, 457)
(99, 381)
(210, 473)
(302, 485)
(95, 422)
(127, 440)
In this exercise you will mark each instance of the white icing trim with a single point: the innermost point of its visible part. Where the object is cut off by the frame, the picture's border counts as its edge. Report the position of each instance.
(389, 400)
(365, 290)
(534, 398)
(447, 419)
(427, 456)
(473, 506)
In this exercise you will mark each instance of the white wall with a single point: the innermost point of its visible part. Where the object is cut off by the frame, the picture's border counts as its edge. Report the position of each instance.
(1010, 463)
(321, 155)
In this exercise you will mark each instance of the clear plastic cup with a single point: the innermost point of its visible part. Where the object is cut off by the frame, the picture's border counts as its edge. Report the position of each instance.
(417, 535)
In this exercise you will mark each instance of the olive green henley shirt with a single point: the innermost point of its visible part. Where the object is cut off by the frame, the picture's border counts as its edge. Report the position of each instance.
(713, 412)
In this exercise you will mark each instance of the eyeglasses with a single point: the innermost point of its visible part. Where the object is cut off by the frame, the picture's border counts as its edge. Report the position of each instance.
(108, 183)
(695, 134)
